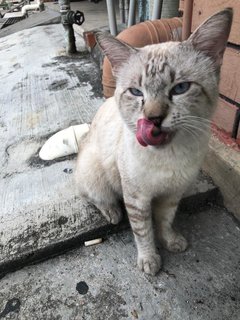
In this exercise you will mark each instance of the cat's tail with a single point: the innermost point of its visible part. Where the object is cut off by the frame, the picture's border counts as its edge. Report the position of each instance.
(64, 142)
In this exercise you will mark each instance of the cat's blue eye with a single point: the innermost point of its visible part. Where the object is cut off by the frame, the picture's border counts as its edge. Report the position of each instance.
(180, 88)
(135, 92)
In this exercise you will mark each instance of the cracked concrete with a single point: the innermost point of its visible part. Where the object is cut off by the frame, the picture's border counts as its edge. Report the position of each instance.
(103, 283)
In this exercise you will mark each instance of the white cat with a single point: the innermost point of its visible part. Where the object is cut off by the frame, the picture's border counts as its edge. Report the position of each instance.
(146, 143)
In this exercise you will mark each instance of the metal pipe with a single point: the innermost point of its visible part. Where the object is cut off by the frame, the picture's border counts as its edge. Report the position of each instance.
(187, 19)
(157, 9)
(71, 41)
(121, 11)
(38, 5)
(132, 13)
(126, 8)
(112, 17)
(170, 9)
(143, 10)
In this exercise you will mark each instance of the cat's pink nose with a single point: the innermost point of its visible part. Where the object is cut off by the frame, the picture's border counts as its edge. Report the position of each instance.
(155, 110)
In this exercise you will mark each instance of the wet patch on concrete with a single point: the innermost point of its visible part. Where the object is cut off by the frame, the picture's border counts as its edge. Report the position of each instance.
(92, 77)
(2, 124)
(85, 69)
(58, 85)
(49, 65)
(78, 85)
(81, 66)
(17, 66)
(68, 170)
(12, 305)
(23, 155)
(20, 85)
(17, 156)
(82, 287)
(72, 57)
(6, 46)
(36, 162)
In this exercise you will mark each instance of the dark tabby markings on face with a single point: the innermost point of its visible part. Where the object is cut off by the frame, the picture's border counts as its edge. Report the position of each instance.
(164, 65)
(140, 81)
(163, 68)
(172, 75)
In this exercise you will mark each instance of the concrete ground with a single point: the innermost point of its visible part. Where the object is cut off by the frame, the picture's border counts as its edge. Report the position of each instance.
(102, 282)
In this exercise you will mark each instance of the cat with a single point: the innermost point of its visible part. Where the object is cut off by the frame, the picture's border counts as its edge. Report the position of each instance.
(146, 144)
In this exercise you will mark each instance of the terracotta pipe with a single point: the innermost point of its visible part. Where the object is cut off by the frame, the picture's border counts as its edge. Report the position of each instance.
(187, 19)
(140, 35)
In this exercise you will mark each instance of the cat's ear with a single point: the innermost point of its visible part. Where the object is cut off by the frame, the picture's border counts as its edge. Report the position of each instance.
(117, 51)
(212, 35)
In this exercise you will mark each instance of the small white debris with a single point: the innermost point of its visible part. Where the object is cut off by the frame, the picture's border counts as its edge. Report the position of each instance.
(92, 242)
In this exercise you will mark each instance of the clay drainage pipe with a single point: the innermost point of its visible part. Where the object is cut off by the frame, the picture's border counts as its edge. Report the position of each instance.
(140, 35)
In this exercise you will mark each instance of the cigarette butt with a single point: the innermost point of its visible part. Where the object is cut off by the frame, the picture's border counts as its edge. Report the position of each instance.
(92, 242)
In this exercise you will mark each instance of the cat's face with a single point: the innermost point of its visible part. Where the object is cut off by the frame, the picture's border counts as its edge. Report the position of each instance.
(170, 88)
(169, 83)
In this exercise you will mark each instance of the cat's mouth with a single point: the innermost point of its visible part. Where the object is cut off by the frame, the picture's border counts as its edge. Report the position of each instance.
(148, 133)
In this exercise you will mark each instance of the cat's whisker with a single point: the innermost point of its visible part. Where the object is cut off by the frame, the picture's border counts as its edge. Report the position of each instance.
(189, 130)
(197, 118)
(193, 134)
(197, 121)
(197, 128)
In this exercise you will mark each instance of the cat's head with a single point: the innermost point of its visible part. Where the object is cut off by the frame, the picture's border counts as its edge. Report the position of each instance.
(171, 87)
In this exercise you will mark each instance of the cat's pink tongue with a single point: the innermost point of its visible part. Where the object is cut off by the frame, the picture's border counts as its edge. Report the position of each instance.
(149, 134)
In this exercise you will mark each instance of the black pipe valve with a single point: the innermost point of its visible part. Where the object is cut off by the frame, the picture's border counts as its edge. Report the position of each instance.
(75, 17)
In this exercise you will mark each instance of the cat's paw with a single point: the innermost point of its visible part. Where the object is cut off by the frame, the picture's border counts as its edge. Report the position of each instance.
(113, 215)
(175, 242)
(150, 264)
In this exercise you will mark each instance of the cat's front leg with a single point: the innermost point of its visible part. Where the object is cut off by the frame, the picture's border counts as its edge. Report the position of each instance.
(140, 217)
(164, 210)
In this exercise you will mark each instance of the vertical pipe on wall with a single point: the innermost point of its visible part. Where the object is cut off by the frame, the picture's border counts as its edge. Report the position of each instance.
(187, 19)
(121, 11)
(71, 41)
(170, 9)
(126, 8)
(112, 17)
(157, 8)
(236, 124)
(143, 10)
(132, 13)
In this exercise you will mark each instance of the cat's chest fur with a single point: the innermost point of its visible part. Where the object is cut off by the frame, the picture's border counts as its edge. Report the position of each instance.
(159, 170)
(152, 170)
